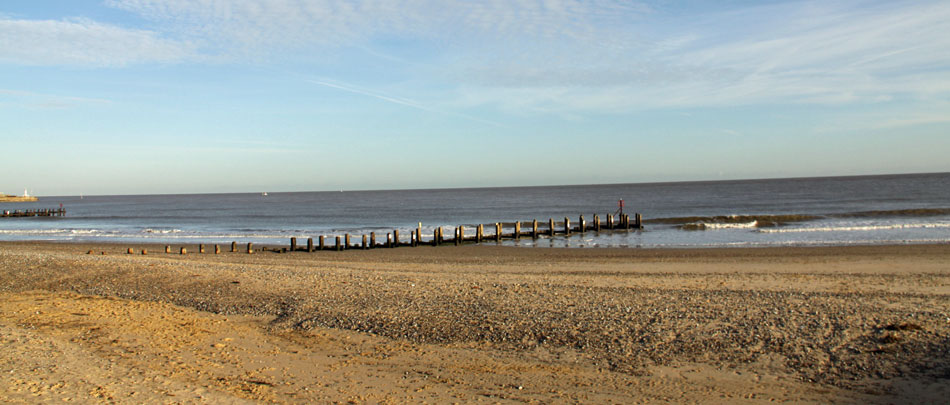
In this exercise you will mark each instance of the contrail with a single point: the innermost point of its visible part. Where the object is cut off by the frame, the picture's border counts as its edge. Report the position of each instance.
(400, 101)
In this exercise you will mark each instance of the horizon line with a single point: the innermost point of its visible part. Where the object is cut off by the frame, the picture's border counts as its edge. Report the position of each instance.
(515, 186)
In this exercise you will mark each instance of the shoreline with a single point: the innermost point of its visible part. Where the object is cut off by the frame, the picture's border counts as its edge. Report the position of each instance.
(487, 323)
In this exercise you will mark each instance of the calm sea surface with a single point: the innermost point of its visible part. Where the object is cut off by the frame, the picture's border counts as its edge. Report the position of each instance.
(810, 211)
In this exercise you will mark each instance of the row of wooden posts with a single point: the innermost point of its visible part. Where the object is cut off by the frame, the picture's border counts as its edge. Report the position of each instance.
(50, 212)
(532, 229)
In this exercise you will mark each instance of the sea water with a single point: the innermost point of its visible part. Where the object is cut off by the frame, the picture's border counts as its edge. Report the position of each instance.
(889, 209)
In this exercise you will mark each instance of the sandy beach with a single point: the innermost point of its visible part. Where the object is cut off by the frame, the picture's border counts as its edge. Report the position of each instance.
(867, 324)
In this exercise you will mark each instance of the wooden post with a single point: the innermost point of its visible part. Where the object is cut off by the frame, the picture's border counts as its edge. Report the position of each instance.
(461, 235)
(389, 240)
(441, 235)
(346, 241)
(581, 224)
(201, 248)
(168, 249)
(233, 247)
(596, 223)
(610, 221)
(339, 244)
(183, 251)
(395, 238)
(310, 244)
(639, 222)
(551, 226)
(293, 244)
(217, 249)
(435, 237)
(479, 233)
(498, 230)
(322, 245)
(364, 242)
(372, 240)
(250, 248)
(534, 229)
(130, 250)
(413, 238)
(419, 234)
(144, 251)
(518, 230)
(567, 226)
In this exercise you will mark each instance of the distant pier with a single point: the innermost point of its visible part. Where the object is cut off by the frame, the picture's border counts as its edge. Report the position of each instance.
(52, 212)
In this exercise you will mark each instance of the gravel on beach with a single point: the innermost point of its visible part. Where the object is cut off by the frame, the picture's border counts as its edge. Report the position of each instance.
(845, 317)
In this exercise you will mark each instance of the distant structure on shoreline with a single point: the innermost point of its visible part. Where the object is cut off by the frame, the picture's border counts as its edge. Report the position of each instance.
(26, 197)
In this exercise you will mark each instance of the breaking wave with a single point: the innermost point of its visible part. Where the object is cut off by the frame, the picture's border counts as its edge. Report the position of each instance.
(858, 228)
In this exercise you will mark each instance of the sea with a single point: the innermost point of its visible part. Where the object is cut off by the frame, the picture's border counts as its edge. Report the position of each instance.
(855, 210)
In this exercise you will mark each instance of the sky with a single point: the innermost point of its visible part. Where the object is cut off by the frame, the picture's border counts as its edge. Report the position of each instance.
(203, 96)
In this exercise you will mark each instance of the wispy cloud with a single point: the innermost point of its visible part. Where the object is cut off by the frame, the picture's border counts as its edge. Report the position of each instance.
(41, 100)
(398, 100)
(554, 56)
(85, 43)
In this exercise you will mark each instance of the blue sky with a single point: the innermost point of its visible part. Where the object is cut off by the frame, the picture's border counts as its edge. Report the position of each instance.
(182, 96)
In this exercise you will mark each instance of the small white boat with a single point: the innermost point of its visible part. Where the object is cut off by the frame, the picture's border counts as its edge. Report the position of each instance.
(264, 194)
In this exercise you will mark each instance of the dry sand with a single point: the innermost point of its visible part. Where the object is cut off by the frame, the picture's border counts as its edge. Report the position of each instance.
(475, 324)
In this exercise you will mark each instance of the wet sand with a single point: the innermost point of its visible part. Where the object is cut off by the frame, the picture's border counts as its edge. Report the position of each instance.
(475, 324)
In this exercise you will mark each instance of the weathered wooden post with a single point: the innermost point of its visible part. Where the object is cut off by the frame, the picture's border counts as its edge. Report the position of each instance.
(395, 238)
(596, 223)
(144, 252)
(518, 230)
(310, 244)
(217, 249)
(610, 221)
(339, 244)
(461, 236)
(201, 248)
(441, 235)
(534, 229)
(346, 240)
(364, 241)
(551, 226)
(168, 249)
(293, 243)
(435, 237)
(582, 224)
(372, 240)
(322, 244)
(389, 240)
(498, 230)
(639, 220)
(479, 233)
(233, 247)
(413, 238)
(130, 250)
(250, 248)
(567, 226)
(183, 251)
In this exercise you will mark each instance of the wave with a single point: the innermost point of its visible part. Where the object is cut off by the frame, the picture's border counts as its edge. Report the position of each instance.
(702, 226)
(49, 231)
(858, 228)
(161, 231)
(776, 220)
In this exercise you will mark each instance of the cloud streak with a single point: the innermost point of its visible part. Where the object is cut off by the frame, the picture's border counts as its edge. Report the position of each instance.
(397, 100)
(84, 42)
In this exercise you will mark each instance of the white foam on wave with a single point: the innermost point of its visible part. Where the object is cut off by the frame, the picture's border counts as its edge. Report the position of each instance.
(717, 226)
(161, 231)
(49, 231)
(859, 228)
